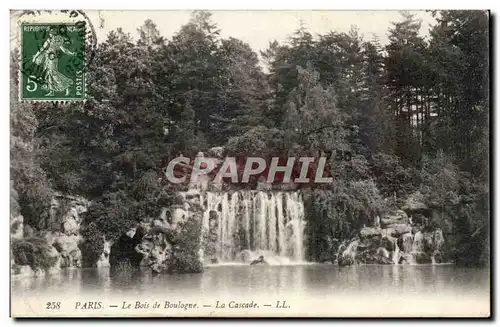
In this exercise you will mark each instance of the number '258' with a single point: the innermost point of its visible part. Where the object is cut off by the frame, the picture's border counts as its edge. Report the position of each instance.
(53, 305)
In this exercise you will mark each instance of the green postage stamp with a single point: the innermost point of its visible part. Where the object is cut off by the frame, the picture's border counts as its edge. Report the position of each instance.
(52, 62)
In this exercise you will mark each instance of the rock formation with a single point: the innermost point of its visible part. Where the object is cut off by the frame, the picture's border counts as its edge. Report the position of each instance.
(395, 239)
(166, 243)
(59, 244)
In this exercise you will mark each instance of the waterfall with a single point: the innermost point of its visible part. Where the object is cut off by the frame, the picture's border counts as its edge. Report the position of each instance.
(418, 242)
(256, 223)
(396, 254)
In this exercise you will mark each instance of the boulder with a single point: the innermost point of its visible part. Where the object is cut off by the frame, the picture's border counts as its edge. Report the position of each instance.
(396, 217)
(387, 232)
(369, 232)
(380, 256)
(437, 257)
(422, 257)
(159, 257)
(66, 244)
(406, 258)
(150, 243)
(17, 226)
(146, 246)
(178, 216)
(389, 243)
(399, 229)
(65, 213)
(415, 202)
(383, 252)
(70, 226)
(246, 256)
(73, 259)
(68, 248)
(159, 226)
(383, 260)
(348, 255)
(171, 218)
(28, 231)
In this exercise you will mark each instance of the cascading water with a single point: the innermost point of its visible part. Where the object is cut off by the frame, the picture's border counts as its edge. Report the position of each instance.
(396, 254)
(255, 223)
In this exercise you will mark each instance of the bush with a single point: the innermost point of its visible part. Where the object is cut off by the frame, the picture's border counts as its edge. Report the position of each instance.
(440, 180)
(469, 242)
(257, 141)
(115, 213)
(336, 215)
(112, 215)
(392, 178)
(34, 252)
(186, 247)
(93, 245)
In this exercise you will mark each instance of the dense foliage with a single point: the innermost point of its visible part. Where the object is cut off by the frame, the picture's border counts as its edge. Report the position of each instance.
(34, 252)
(413, 114)
(186, 247)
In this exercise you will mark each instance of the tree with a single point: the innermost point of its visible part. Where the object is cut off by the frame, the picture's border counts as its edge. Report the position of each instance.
(376, 123)
(244, 93)
(28, 179)
(405, 54)
(459, 45)
(196, 83)
(312, 119)
(283, 61)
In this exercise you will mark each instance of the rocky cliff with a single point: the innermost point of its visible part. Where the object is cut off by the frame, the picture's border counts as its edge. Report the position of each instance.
(168, 243)
(175, 241)
(58, 246)
(399, 237)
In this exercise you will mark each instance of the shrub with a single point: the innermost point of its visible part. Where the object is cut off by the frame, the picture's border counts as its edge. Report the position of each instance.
(336, 215)
(93, 245)
(257, 141)
(440, 180)
(186, 247)
(392, 178)
(33, 251)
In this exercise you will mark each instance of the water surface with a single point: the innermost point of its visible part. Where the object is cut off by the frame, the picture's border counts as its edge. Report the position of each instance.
(309, 280)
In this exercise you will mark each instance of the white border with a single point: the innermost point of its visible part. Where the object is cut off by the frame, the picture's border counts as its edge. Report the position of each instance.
(199, 4)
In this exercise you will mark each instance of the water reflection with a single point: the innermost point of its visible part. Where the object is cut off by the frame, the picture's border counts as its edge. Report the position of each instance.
(314, 280)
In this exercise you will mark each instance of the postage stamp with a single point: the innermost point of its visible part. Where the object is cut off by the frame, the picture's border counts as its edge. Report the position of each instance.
(52, 61)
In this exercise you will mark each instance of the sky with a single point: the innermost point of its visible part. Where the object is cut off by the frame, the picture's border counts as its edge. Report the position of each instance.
(258, 28)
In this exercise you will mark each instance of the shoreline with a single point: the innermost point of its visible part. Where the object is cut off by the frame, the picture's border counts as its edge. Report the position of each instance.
(16, 277)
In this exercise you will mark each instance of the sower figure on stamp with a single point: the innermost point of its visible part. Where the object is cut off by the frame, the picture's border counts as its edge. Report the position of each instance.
(48, 59)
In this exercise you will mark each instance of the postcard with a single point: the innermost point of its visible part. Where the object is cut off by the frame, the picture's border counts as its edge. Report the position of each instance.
(249, 163)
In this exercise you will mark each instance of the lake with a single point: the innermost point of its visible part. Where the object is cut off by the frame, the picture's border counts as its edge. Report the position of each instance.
(309, 290)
